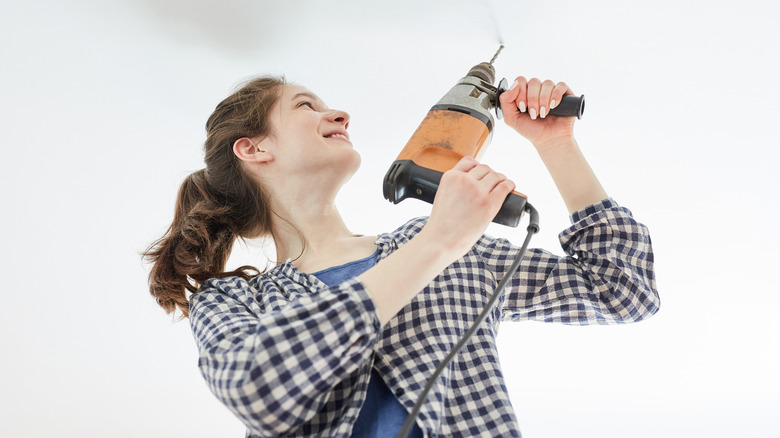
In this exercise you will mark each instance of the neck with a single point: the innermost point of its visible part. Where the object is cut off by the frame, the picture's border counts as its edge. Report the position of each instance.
(318, 238)
(307, 231)
(307, 226)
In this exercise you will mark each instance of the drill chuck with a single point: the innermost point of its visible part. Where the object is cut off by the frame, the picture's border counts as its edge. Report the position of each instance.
(484, 71)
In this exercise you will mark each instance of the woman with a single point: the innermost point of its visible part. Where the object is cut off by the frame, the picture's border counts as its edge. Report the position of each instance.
(340, 337)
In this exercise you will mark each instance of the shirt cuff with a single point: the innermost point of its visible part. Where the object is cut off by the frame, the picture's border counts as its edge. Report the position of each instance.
(592, 209)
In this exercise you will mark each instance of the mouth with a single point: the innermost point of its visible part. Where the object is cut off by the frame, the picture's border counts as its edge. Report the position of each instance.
(341, 135)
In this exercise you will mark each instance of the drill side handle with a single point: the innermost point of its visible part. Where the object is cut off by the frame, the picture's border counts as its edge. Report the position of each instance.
(406, 179)
(569, 106)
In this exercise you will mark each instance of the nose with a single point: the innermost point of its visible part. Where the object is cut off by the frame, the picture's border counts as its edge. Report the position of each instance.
(340, 117)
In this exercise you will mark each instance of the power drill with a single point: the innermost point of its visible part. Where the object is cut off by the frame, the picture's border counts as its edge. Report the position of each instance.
(460, 124)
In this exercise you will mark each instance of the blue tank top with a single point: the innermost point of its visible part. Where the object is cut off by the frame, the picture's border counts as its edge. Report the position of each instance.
(381, 415)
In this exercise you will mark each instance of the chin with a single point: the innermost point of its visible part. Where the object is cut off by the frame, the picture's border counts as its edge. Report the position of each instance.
(354, 161)
(351, 165)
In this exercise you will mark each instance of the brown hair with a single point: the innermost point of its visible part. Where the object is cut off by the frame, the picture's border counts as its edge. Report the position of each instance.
(215, 205)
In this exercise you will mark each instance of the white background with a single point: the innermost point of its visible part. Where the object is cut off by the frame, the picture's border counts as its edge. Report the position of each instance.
(103, 104)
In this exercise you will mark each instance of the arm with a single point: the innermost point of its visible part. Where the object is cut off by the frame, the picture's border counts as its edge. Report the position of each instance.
(571, 173)
(525, 107)
(553, 139)
(274, 360)
(398, 278)
(606, 276)
(471, 193)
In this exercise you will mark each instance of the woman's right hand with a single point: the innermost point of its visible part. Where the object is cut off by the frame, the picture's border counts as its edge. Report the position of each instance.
(468, 199)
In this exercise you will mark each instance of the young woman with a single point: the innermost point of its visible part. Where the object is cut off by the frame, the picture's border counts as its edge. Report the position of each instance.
(340, 337)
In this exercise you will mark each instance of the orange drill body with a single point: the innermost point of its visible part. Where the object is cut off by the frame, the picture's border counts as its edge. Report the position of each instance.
(459, 125)
(443, 138)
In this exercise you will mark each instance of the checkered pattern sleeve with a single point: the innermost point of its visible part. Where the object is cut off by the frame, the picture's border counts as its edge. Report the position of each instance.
(606, 276)
(273, 357)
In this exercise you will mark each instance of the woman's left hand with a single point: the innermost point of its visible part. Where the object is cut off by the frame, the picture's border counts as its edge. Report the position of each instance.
(526, 106)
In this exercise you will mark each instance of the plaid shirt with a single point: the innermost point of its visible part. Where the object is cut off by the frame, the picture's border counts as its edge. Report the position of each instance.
(290, 356)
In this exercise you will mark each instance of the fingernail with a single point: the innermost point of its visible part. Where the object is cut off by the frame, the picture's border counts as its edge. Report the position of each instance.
(521, 107)
(514, 84)
(532, 112)
(552, 104)
(542, 112)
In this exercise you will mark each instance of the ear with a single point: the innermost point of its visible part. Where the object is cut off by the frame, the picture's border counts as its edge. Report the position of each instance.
(255, 152)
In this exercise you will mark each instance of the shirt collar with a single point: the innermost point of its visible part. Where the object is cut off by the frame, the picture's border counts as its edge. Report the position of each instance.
(385, 242)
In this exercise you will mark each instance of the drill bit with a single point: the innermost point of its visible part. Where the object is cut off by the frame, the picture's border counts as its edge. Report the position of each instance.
(496, 55)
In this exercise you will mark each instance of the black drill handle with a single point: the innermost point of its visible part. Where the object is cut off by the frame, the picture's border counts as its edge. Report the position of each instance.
(511, 211)
(406, 179)
(569, 106)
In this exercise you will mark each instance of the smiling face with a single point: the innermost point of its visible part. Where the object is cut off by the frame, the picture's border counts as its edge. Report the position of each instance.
(309, 139)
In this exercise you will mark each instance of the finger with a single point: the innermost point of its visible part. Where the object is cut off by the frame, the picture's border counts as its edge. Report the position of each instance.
(522, 89)
(465, 164)
(479, 171)
(515, 95)
(505, 187)
(557, 93)
(544, 97)
(492, 180)
(501, 191)
(534, 88)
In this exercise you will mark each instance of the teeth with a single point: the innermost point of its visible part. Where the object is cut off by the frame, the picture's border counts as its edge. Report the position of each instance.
(338, 135)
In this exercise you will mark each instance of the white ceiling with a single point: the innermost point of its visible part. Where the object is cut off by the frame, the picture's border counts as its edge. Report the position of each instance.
(103, 105)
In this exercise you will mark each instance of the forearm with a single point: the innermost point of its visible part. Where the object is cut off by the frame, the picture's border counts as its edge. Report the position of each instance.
(573, 176)
(397, 279)
(470, 192)
(606, 276)
(553, 138)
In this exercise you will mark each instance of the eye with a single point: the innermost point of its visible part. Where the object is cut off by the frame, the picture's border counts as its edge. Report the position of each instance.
(305, 103)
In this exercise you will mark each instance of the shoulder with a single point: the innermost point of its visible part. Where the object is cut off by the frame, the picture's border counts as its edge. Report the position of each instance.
(389, 242)
(270, 290)
(218, 303)
(410, 229)
(221, 292)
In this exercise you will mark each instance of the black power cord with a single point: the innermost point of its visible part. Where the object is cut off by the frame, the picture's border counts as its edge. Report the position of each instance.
(533, 228)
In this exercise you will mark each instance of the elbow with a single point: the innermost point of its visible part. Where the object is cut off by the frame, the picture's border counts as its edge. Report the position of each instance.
(644, 306)
(632, 299)
(650, 303)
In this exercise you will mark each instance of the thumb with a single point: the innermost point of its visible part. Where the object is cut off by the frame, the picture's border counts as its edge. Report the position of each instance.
(510, 94)
(508, 101)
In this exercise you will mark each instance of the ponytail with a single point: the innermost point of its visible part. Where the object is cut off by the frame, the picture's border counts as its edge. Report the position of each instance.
(216, 205)
(195, 248)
